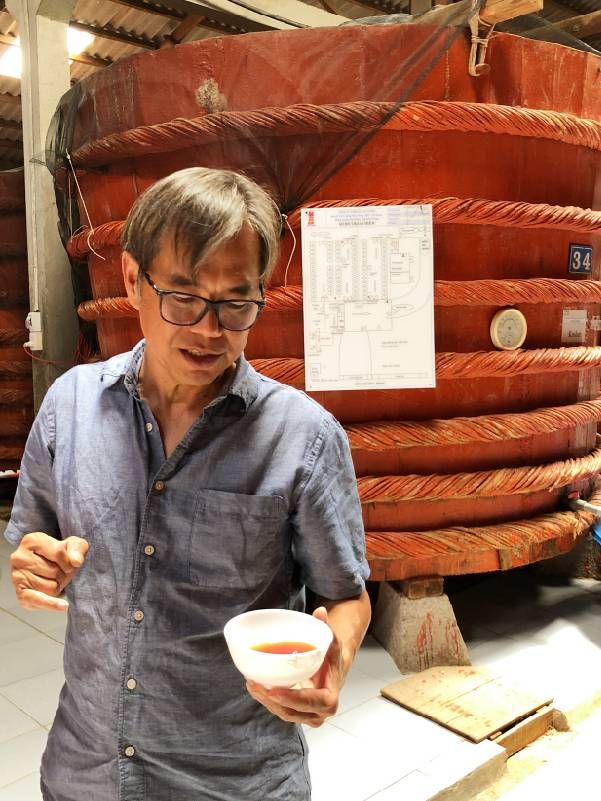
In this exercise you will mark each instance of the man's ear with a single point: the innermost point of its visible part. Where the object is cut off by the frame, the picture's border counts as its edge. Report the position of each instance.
(131, 272)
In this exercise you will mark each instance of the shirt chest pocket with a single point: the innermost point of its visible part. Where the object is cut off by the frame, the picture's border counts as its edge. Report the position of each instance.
(237, 541)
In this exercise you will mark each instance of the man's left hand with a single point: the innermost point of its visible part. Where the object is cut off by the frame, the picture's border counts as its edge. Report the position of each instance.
(311, 705)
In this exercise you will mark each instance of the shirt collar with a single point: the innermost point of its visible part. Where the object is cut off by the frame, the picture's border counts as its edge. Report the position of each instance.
(243, 384)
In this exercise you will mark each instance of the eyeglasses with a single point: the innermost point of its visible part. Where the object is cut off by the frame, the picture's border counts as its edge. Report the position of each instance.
(181, 308)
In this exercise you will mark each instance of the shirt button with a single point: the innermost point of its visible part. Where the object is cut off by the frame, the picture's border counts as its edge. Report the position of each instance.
(149, 550)
(130, 751)
(131, 684)
(159, 486)
(149, 427)
(138, 615)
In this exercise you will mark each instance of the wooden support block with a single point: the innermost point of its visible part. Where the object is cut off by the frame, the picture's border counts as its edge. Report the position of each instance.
(427, 587)
(526, 731)
(494, 11)
(418, 633)
(500, 10)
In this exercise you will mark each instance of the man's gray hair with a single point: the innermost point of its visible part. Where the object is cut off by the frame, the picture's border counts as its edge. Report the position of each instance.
(200, 209)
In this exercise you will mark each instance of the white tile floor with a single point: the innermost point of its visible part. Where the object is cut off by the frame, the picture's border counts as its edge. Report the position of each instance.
(372, 748)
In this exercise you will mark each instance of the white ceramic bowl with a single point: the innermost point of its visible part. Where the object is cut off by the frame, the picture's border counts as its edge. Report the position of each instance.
(263, 626)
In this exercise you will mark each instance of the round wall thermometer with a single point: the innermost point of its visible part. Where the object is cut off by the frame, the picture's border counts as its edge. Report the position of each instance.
(508, 329)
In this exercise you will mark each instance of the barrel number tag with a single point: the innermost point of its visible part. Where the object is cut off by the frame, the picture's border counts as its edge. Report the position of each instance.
(581, 259)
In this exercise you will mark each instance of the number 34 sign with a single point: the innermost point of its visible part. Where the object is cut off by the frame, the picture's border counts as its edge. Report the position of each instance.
(581, 259)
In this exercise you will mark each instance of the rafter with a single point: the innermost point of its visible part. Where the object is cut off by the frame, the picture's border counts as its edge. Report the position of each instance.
(185, 27)
(179, 33)
(582, 26)
(152, 8)
(91, 61)
(116, 34)
(211, 18)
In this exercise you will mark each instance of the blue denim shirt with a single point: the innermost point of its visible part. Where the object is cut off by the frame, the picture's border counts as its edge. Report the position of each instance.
(257, 501)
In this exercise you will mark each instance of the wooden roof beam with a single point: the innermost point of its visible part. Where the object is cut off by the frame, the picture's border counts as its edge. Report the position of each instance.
(583, 26)
(187, 12)
(495, 11)
(91, 61)
(182, 30)
(153, 8)
(212, 18)
(256, 15)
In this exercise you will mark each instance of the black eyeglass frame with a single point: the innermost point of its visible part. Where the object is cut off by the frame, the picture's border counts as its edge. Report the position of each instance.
(213, 305)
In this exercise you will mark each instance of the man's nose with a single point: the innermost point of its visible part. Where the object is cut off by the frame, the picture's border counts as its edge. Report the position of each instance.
(208, 324)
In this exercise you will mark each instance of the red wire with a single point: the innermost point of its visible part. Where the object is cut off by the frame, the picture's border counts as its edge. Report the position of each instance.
(83, 352)
(45, 361)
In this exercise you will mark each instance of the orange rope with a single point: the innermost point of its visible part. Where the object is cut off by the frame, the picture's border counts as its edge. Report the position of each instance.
(471, 211)
(339, 117)
(11, 453)
(491, 292)
(12, 251)
(280, 298)
(486, 292)
(13, 336)
(15, 369)
(403, 554)
(474, 211)
(386, 435)
(105, 235)
(10, 397)
(106, 309)
(481, 484)
(480, 364)
(505, 292)
(13, 297)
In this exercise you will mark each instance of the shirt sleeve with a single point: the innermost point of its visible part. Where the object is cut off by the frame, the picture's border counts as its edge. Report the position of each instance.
(329, 540)
(34, 504)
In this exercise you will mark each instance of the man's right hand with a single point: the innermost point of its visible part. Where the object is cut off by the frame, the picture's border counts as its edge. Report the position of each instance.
(42, 566)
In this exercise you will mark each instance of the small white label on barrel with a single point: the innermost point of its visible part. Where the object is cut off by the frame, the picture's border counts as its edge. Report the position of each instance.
(573, 326)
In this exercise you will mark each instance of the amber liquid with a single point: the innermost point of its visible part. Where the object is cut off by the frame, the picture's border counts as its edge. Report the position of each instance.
(284, 647)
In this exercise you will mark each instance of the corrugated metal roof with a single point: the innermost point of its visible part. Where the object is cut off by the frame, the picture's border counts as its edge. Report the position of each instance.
(345, 9)
(118, 16)
(7, 23)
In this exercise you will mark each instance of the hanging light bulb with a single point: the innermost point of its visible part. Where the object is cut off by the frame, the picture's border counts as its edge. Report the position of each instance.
(78, 41)
(11, 62)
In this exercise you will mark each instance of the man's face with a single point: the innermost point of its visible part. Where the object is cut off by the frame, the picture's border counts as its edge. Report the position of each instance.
(199, 354)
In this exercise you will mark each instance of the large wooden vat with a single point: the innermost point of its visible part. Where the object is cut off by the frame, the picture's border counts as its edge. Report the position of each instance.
(468, 476)
(16, 393)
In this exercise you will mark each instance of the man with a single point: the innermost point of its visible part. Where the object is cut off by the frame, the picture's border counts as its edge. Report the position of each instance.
(169, 489)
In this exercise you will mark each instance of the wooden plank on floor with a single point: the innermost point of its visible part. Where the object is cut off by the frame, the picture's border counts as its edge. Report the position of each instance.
(430, 685)
(471, 701)
(526, 731)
